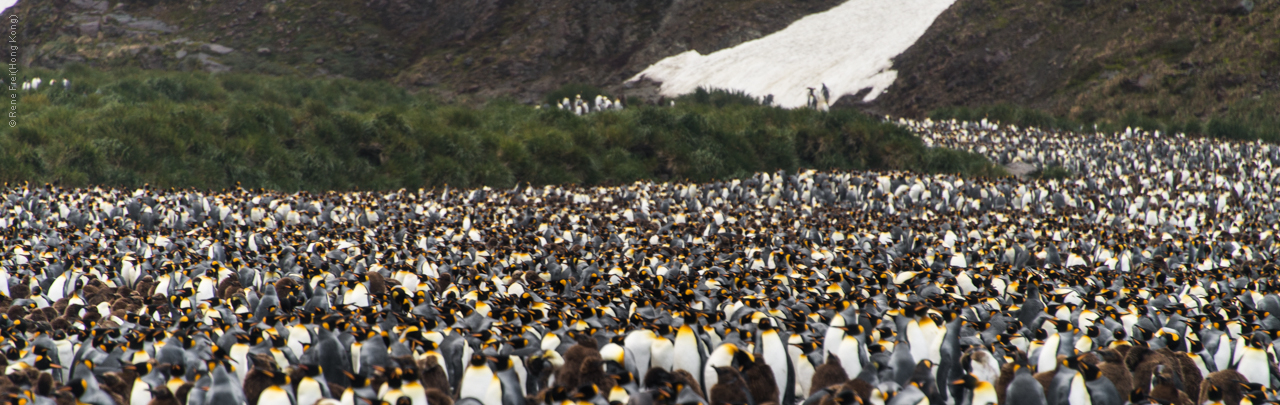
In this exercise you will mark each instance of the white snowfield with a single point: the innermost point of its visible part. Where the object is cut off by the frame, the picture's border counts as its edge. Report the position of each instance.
(849, 48)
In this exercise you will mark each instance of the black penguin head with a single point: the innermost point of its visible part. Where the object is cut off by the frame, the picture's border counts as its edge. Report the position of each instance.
(77, 387)
(1090, 372)
(277, 377)
(586, 392)
(1257, 341)
(477, 360)
(1214, 393)
(501, 362)
(968, 381)
(310, 370)
(845, 397)
(1093, 331)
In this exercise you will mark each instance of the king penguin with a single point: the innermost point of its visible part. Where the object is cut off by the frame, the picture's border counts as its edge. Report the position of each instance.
(1253, 362)
(774, 352)
(1101, 390)
(850, 350)
(975, 391)
(1024, 387)
(688, 349)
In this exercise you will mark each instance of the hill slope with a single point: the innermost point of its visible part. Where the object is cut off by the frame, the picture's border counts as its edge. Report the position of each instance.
(1095, 59)
(492, 47)
(1091, 60)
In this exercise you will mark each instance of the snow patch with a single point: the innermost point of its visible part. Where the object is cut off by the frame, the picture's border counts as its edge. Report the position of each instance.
(849, 48)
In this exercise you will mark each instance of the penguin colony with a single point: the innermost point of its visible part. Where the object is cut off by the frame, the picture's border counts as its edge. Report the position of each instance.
(581, 107)
(1149, 279)
(34, 84)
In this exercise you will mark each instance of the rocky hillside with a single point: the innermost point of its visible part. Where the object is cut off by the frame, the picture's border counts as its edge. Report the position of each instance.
(1096, 59)
(1088, 59)
(483, 48)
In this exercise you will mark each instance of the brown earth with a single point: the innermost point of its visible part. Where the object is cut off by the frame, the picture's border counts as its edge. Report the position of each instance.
(1092, 58)
(475, 48)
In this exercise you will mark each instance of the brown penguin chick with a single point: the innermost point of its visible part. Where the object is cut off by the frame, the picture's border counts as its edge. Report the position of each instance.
(377, 284)
(228, 286)
(16, 312)
(567, 375)
(44, 385)
(144, 285)
(1142, 363)
(285, 284)
(1164, 388)
(1188, 372)
(1002, 383)
(432, 375)
(586, 347)
(1227, 382)
(1045, 378)
(828, 374)
(39, 316)
(687, 379)
(438, 397)
(50, 313)
(61, 324)
(589, 373)
(1089, 357)
(162, 396)
(259, 378)
(19, 291)
(759, 378)
(61, 304)
(64, 398)
(121, 304)
(114, 384)
(6, 385)
(103, 295)
(1112, 365)
(730, 388)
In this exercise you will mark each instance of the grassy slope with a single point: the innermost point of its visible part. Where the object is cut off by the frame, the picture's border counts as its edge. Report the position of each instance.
(176, 129)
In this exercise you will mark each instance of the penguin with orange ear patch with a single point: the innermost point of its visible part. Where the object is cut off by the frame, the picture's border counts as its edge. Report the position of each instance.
(1024, 387)
(975, 391)
(278, 392)
(1101, 390)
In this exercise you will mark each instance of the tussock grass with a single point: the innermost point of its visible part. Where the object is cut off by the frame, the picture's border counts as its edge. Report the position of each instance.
(190, 129)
